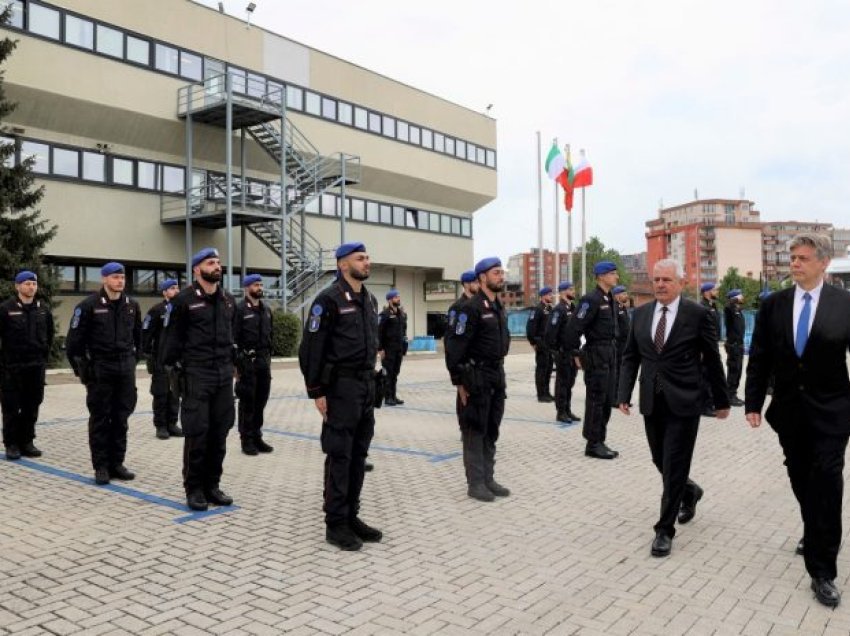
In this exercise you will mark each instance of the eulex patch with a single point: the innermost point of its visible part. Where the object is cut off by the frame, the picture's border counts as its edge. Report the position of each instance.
(582, 311)
(460, 328)
(315, 319)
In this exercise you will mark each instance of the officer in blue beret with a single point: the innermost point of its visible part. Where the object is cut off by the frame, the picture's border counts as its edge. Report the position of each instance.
(166, 402)
(103, 345)
(475, 354)
(556, 340)
(338, 354)
(392, 344)
(253, 335)
(469, 284)
(26, 336)
(199, 356)
(708, 293)
(535, 332)
(621, 298)
(596, 320)
(733, 315)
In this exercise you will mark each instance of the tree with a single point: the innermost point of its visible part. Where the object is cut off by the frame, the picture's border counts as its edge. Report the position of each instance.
(749, 286)
(596, 251)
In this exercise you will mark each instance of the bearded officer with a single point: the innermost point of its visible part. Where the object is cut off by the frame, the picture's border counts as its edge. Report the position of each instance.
(392, 343)
(708, 300)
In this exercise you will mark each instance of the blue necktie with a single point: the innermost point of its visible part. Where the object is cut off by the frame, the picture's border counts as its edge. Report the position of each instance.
(803, 325)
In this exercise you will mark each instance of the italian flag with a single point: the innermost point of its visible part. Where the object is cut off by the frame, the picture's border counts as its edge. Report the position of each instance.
(555, 166)
(582, 175)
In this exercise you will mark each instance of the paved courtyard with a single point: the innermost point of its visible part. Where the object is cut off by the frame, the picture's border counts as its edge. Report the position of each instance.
(567, 553)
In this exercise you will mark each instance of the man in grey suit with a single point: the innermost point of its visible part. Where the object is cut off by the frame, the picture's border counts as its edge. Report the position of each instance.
(801, 339)
(671, 339)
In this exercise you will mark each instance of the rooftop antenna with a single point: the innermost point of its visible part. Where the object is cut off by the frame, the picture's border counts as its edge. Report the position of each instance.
(250, 11)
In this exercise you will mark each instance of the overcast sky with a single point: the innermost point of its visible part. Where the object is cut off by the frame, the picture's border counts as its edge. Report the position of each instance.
(668, 97)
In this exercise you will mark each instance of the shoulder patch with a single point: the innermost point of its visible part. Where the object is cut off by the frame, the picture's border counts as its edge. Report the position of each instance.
(582, 311)
(555, 317)
(167, 318)
(460, 328)
(75, 321)
(452, 317)
(315, 323)
(147, 323)
(317, 310)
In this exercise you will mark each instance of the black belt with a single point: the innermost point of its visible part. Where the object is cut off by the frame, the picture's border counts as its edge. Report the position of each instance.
(357, 374)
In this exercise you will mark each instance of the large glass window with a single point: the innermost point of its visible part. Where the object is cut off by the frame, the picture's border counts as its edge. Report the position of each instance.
(455, 225)
(312, 206)
(79, 32)
(328, 108)
(427, 138)
(439, 142)
(398, 215)
(256, 85)
(410, 217)
(173, 179)
(138, 50)
(274, 91)
(372, 212)
(422, 218)
(66, 162)
(67, 278)
(313, 103)
(294, 98)
(414, 135)
(403, 131)
(491, 158)
(144, 281)
(374, 123)
(470, 152)
(345, 114)
(90, 279)
(40, 154)
(147, 175)
(445, 224)
(361, 118)
(237, 79)
(460, 149)
(17, 18)
(329, 205)
(166, 58)
(110, 41)
(389, 126)
(434, 222)
(479, 155)
(450, 146)
(122, 171)
(386, 214)
(191, 66)
(466, 227)
(358, 209)
(94, 166)
(43, 21)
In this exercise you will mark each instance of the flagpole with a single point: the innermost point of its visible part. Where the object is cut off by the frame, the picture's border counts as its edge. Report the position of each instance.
(569, 234)
(539, 218)
(583, 245)
(557, 230)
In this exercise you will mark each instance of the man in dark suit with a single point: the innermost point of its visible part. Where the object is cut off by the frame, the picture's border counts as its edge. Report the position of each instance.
(801, 338)
(671, 339)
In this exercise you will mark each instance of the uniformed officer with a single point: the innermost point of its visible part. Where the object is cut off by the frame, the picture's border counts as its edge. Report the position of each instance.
(166, 403)
(470, 285)
(475, 354)
(337, 356)
(200, 356)
(735, 327)
(621, 298)
(392, 343)
(26, 335)
(253, 337)
(556, 341)
(596, 319)
(535, 331)
(103, 346)
(708, 300)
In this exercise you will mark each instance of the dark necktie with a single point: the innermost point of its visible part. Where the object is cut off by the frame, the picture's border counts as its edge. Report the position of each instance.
(660, 329)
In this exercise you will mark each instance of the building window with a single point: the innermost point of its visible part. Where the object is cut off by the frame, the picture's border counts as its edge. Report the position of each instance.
(90, 279)
(361, 118)
(122, 171)
(16, 20)
(434, 222)
(144, 281)
(328, 108)
(414, 135)
(313, 103)
(403, 131)
(410, 218)
(94, 166)
(110, 41)
(491, 159)
(147, 175)
(138, 50)
(374, 123)
(191, 66)
(358, 209)
(43, 21)
(439, 142)
(329, 207)
(398, 216)
(294, 98)
(479, 155)
(237, 79)
(40, 154)
(389, 126)
(386, 214)
(66, 163)
(275, 92)
(256, 86)
(79, 32)
(427, 138)
(422, 218)
(450, 146)
(345, 114)
(466, 227)
(460, 149)
(166, 58)
(372, 212)
(312, 206)
(68, 278)
(173, 179)
(445, 224)
(455, 225)
(470, 152)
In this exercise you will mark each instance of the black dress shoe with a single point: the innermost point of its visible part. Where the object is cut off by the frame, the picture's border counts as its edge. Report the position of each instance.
(736, 401)
(262, 446)
(29, 450)
(368, 468)
(480, 492)
(397, 401)
(498, 489)
(800, 548)
(545, 398)
(174, 430)
(120, 472)
(709, 413)
(101, 476)
(390, 402)
(13, 452)
(162, 432)
(343, 537)
(825, 592)
(600, 451)
(364, 532)
(661, 545)
(689, 509)
(249, 447)
(196, 501)
(217, 497)
(573, 416)
(563, 417)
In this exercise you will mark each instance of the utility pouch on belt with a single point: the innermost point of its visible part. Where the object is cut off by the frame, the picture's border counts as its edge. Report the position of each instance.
(380, 386)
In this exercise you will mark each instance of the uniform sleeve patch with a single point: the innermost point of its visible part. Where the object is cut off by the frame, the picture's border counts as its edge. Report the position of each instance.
(317, 310)
(460, 328)
(582, 311)
(147, 323)
(167, 318)
(452, 317)
(315, 323)
(75, 321)
(554, 318)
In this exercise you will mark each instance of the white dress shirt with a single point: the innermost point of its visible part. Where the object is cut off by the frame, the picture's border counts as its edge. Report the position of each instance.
(798, 306)
(672, 309)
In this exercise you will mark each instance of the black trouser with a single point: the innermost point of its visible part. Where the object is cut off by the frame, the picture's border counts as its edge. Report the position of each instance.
(480, 420)
(565, 379)
(542, 370)
(252, 389)
(671, 441)
(346, 435)
(599, 361)
(392, 365)
(166, 405)
(734, 366)
(815, 464)
(21, 393)
(111, 399)
(207, 418)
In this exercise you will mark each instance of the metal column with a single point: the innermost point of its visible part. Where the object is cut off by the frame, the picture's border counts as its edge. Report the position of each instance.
(342, 199)
(188, 182)
(242, 199)
(228, 160)
(284, 282)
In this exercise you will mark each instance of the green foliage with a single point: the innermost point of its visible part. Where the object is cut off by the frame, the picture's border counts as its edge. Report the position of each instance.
(733, 280)
(596, 251)
(286, 333)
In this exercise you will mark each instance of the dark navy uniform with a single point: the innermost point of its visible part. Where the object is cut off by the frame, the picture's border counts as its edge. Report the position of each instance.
(392, 340)
(535, 332)
(565, 366)
(623, 324)
(26, 335)
(596, 319)
(200, 343)
(166, 403)
(708, 398)
(253, 337)
(337, 358)
(451, 322)
(735, 327)
(103, 346)
(475, 353)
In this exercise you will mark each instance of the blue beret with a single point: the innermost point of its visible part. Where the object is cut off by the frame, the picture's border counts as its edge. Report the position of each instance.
(349, 248)
(486, 264)
(168, 282)
(250, 279)
(204, 254)
(468, 276)
(392, 294)
(112, 268)
(619, 289)
(734, 292)
(544, 290)
(565, 284)
(705, 287)
(24, 276)
(604, 267)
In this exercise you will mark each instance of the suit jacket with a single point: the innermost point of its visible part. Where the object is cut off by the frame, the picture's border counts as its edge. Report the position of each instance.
(678, 367)
(813, 390)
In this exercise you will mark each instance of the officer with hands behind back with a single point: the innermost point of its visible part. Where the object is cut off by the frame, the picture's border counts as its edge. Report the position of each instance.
(392, 343)
(556, 341)
(166, 403)
(535, 332)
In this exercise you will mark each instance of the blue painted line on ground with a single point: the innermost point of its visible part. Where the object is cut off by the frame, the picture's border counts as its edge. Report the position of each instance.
(116, 488)
(197, 516)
